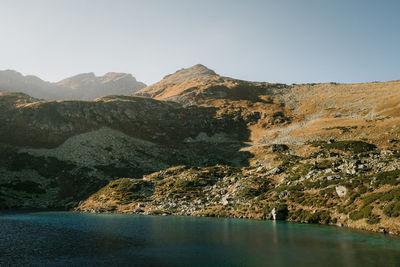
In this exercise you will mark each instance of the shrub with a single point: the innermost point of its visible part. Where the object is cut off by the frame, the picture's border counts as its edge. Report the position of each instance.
(389, 177)
(111, 208)
(371, 198)
(362, 189)
(392, 210)
(363, 212)
(288, 160)
(325, 164)
(373, 219)
(307, 217)
(321, 217)
(348, 145)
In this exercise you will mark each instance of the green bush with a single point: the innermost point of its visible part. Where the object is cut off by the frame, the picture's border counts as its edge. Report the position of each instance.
(373, 219)
(305, 216)
(321, 217)
(325, 164)
(362, 189)
(390, 195)
(389, 177)
(363, 212)
(392, 210)
(288, 160)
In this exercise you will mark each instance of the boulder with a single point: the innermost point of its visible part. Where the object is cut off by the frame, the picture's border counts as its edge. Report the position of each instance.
(341, 190)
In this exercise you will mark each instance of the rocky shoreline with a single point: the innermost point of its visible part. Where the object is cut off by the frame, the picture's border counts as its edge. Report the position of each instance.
(349, 184)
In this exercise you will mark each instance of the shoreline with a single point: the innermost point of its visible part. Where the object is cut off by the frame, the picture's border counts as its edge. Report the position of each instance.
(397, 235)
(32, 210)
(28, 210)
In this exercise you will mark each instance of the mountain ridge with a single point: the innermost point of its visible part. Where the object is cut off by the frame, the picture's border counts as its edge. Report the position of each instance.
(83, 86)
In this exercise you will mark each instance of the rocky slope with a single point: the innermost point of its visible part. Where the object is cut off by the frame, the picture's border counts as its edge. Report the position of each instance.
(279, 113)
(349, 184)
(200, 144)
(72, 148)
(83, 86)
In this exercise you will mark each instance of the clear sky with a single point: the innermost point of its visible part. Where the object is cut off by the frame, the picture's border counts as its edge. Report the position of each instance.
(289, 41)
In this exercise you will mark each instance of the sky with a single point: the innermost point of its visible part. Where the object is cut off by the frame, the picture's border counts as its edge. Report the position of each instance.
(287, 41)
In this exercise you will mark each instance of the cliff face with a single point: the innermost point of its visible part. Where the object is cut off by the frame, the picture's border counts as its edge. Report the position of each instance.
(200, 144)
(83, 86)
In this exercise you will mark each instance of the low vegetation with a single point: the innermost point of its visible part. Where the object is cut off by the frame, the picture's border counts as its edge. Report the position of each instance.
(339, 188)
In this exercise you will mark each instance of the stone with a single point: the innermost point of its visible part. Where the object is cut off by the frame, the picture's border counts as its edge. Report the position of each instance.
(226, 200)
(275, 171)
(341, 190)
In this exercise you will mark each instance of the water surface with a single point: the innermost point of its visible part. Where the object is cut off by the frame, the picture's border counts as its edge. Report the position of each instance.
(62, 238)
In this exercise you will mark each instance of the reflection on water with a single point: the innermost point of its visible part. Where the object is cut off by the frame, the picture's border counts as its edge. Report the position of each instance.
(60, 238)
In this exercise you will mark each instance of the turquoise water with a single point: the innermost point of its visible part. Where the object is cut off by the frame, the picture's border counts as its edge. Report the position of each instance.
(62, 238)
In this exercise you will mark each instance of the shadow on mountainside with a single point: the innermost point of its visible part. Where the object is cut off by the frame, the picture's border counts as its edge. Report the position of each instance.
(76, 147)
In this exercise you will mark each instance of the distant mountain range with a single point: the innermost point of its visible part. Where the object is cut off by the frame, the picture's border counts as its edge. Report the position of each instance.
(85, 86)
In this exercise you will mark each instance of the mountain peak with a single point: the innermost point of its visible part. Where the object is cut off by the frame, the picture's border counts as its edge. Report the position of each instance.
(199, 68)
(193, 72)
(114, 76)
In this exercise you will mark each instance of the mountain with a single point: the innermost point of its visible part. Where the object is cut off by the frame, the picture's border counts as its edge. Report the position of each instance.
(87, 86)
(83, 86)
(200, 144)
(198, 84)
(292, 114)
